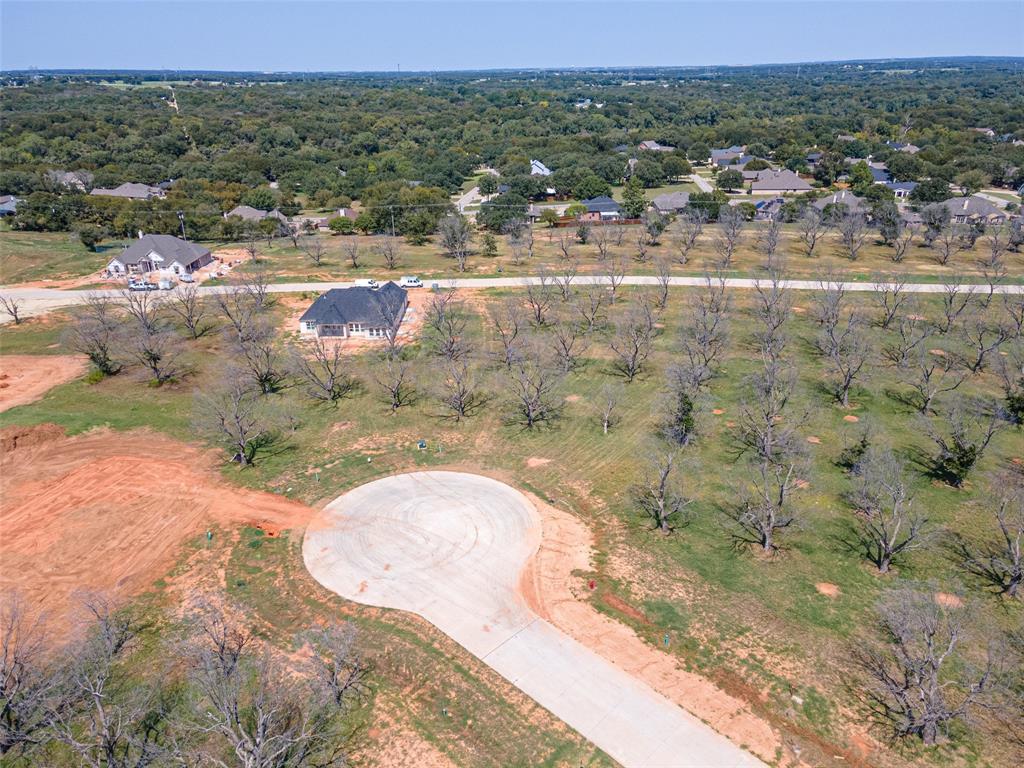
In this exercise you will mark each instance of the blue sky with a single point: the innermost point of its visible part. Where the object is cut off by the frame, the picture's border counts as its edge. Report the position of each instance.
(305, 35)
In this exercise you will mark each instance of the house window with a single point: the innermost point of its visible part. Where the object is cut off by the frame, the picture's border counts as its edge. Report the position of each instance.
(310, 325)
(355, 327)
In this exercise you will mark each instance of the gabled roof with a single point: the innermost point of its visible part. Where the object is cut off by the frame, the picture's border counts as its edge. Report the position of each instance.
(783, 180)
(537, 168)
(880, 175)
(733, 151)
(248, 213)
(169, 247)
(853, 203)
(971, 207)
(130, 189)
(671, 201)
(906, 186)
(602, 204)
(655, 146)
(374, 306)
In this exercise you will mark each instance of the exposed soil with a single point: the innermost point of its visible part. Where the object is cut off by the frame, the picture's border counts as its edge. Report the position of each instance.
(828, 590)
(26, 378)
(948, 600)
(850, 418)
(718, 411)
(813, 440)
(108, 511)
(554, 586)
(537, 461)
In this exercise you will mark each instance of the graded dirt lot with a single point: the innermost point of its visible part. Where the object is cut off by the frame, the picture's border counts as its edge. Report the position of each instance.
(26, 378)
(108, 511)
(452, 547)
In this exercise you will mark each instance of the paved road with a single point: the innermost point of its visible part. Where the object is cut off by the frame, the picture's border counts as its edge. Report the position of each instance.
(37, 301)
(701, 183)
(470, 198)
(450, 547)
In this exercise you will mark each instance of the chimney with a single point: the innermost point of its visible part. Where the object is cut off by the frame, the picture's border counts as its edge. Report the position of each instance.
(140, 234)
(966, 199)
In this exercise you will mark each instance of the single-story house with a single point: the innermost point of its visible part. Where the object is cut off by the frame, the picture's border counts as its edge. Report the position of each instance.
(671, 202)
(768, 209)
(130, 190)
(852, 203)
(986, 132)
(729, 153)
(312, 222)
(601, 208)
(248, 213)
(160, 253)
(880, 174)
(901, 189)
(734, 162)
(8, 205)
(72, 180)
(346, 213)
(778, 182)
(974, 209)
(653, 146)
(813, 158)
(910, 149)
(537, 168)
(371, 313)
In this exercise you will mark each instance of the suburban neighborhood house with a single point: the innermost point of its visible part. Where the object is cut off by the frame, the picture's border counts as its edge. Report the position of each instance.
(724, 156)
(670, 202)
(972, 209)
(372, 313)
(853, 203)
(537, 168)
(653, 146)
(130, 190)
(248, 213)
(160, 253)
(601, 208)
(777, 182)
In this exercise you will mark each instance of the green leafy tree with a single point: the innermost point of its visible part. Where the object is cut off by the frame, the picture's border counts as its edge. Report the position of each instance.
(574, 210)
(675, 165)
(341, 225)
(591, 186)
(730, 180)
(261, 198)
(860, 177)
(633, 201)
(757, 164)
(931, 191)
(971, 181)
(90, 235)
(549, 216)
(698, 152)
(499, 211)
(488, 185)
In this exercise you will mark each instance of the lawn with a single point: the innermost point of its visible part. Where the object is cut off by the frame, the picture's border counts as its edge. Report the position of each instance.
(653, 192)
(29, 256)
(758, 626)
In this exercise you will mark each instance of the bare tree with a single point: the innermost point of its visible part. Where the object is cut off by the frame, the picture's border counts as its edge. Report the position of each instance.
(251, 243)
(12, 306)
(1001, 562)
(890, 294)
(906, 233)
(688, 228)
(729, 234)
(947, 243)
(566, 241)
(772, 308)
(618, 233)
(853, 232)
(539, 297)
(678, 422)
(912, 332)
(983, 337)
(919, 681)
(631, 343)
(313, 248)
(257, 285)
(969, 430)
(395, 378)
(446, 325)
(533, 381)
(115, 721)
(160, 351)
(570, 343)
(564, 281)
(663, 272)
(616, 269)
(455, 238)
(766, 510)
(322, 369)
(1013, 308)
(704, 332)
(589, 302)
(238, 307)
(260, 356)
(602, 238)
(956, 298)
(234, 414)
(459, 390)
(1011, 375)
(350, 245)
(519, 236)
(997, 242)
(144, 308)
(829, 303)
(337, 666)
(643, 244)
(887, 522)
(192, 309)
(995, 274)
(508, 322)
(769, 236)
(762, 428)
(30, 685)
(811, 226)
(608, 403)
(386, 246)
(658, 496)
(934, 375)
(848, 356)
(97, 335)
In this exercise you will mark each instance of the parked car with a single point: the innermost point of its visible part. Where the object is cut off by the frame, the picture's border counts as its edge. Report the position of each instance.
(366, 282)
(165, 284)
(186, 278)
(142, 286)
(410, 281)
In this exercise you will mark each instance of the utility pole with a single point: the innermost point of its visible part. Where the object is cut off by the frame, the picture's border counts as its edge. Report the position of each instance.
(181, 218)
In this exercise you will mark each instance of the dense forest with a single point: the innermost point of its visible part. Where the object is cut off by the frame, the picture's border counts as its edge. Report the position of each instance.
(331, 138)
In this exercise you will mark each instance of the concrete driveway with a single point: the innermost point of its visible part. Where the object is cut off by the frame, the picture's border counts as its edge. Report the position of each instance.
(451, 547)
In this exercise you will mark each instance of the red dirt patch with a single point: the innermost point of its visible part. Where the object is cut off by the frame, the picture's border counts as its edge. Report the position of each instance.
(828, 590)
(108, 511)
(26, 378)
(572, 398)
(948, 600)
(813, 440)
(850, 418)
(536, 461)
(718, 411)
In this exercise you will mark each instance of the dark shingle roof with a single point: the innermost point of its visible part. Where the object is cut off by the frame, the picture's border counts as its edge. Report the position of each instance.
(170, 247)
(356, 305)
(602, 204)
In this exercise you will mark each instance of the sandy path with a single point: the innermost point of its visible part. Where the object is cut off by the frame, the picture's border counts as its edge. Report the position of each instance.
(452, 547)
(108, 511)
(26, 378)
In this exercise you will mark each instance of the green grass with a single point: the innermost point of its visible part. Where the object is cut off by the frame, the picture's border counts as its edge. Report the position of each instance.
(650, 194)
(728, 612)
(28, 256)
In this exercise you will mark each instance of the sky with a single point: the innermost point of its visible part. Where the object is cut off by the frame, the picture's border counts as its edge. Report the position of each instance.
(437, 35)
